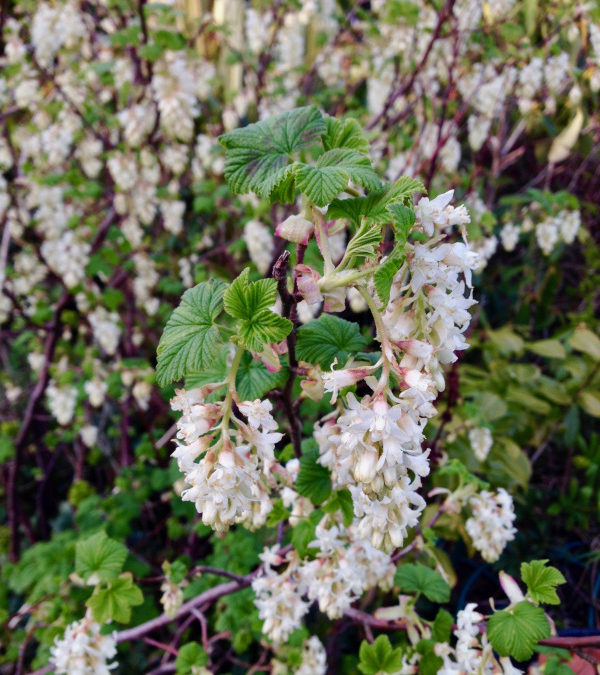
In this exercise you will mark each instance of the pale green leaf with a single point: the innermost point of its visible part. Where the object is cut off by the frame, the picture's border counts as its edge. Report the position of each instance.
(365, 242)
(417, 577)
(250, 303)
(190, 656)
(190, 340)
(242, 300)
(552, 349)
(541, 581)
(522, 398)
(99, 557)
(320, 185)
(379, 657)
(114, 602)
(384, 276)
(403, 219)
(586, 341)
(590, 402)
(516, 631)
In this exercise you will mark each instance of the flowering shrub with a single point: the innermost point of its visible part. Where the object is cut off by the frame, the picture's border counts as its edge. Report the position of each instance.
(384, 368)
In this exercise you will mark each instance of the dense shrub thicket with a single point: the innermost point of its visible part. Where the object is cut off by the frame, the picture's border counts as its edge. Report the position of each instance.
(244, 248)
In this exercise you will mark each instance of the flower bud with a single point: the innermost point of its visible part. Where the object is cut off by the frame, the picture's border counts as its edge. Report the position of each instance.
(296, 229)
(365, 469)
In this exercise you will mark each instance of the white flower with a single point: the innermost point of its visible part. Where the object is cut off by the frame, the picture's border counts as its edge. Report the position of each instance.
(569, 224)
(171, 598)
(61, 401)
(547, 235)
(259, 414)
(491, 525)
(314, 658)
(279, 605)
(296, 229)
(481, 442)
(89, 434)
(431, 213)
(259, 241)
(509, 236)
(83, 650)
(96, 390)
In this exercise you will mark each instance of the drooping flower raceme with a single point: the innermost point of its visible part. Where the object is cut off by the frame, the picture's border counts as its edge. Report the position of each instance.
(228, 483)
(83, 650)
(491, 525)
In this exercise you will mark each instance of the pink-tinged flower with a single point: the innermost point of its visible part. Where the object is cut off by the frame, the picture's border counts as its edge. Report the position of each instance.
(335, 300)
(308, 285)
(511, 588)
(270, 357)
(344, 377)
(296, 229)
(312, 386)
(417, 348)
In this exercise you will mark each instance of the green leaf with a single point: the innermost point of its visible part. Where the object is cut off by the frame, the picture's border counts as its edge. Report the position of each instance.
(313, 479)
(7, 449)
(524, 399)
(253, 380)
(322, 340)
(320, 185)
(100, 557)
(384, 277)
(403, 219)
(455, 467)
(417, 577)
(442, 626)
(375, 205)
(170, 40)
(257, 155)
(242, 300)
(215, 372)
(277, 514)
(541, 581)
(589, 402)
(304, 533)
(379, 657)
(516, 631)
(552, 349)
(365, 242)
(115, 601)
(250, 303)
(345, 133)
(586, 341)
(322, 182)
(190, 656)
(190, 340)
(341, 500)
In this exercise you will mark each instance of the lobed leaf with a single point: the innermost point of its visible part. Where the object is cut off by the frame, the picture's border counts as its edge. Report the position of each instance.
(517, 630)
(322, 340)
(190, 340)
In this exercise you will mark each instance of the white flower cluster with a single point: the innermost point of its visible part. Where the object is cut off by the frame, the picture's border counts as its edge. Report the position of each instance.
(83, 650)
(61, 401)
(343, 568)
(491, 525)
(481, 442)
(374, 447)
(563, 226)
(229, 483)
